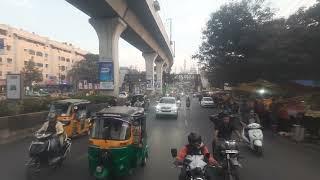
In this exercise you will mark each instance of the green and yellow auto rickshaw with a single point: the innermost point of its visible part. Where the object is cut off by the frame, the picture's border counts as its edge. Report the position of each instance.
(118, 142)
(73, 114)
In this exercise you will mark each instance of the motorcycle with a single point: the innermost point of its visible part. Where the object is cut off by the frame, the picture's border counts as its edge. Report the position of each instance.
(253, 136)
(195, 166)
(230, 159)
(44, 152)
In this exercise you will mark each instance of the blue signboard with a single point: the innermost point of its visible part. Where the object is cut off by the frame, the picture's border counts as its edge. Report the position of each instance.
(106, 75)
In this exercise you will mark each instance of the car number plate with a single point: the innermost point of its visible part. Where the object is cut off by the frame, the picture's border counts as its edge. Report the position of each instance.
(232, 151)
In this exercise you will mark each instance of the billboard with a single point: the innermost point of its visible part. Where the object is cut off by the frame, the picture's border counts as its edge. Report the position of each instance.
(106, 77)
(14, 86)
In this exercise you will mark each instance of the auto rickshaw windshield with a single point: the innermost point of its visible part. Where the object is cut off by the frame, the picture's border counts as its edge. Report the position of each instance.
(61, 108)
(110, 129)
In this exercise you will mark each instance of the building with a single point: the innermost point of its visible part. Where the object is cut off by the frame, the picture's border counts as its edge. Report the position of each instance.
(53, 58)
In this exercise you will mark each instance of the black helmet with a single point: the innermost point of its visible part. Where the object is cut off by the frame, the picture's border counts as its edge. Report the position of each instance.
(194, 139)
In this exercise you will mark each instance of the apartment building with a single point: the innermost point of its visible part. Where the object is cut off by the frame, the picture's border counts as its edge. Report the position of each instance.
(53, 58)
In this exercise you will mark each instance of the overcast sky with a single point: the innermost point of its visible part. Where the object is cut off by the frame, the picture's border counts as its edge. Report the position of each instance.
(60, 21)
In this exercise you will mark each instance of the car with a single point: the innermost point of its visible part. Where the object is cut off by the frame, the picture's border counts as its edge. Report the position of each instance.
(123, 94)
(207, 102)
(167, 106)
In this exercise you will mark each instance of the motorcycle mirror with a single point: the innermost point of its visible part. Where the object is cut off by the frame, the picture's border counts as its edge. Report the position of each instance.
(174, 153)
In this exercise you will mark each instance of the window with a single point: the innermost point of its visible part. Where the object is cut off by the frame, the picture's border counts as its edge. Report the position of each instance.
(0, 59)
(63, 77)
(39, 64)
(25, 62)
(62, 59)
(47, 65)
(110, 129)
(9, 72)
(39, 54)
(32, 52)
(68, 60)
(45, 55)
(167, 100)
(25, 49)
(62, 68)
(47, 75)
(0, 73)
(3, 32)
(8, 48)
(9, 60)
(32, 57)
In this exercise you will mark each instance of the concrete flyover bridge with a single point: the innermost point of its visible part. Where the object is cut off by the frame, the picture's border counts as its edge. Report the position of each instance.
(137, 22)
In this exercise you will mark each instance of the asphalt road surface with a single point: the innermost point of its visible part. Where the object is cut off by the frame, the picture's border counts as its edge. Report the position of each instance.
(282, 160)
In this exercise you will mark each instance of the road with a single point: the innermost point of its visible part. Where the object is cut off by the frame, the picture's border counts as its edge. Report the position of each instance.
(283, 160)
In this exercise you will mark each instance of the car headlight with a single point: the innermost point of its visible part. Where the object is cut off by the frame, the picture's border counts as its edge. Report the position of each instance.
(175, 108)
(158, 107)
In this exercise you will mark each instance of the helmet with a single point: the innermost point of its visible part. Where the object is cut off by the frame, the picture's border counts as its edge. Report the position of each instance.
(194, 139)
(52, 116)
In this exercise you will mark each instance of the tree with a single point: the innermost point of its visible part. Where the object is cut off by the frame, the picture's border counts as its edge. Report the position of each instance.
(242, 42)
(86, 69)
(31, 74)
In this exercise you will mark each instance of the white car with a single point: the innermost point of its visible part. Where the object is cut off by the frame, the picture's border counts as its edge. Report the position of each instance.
(123, 94)
(207, 102)
(167, 106)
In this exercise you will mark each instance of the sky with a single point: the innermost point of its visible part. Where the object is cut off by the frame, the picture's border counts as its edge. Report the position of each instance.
(60, 21)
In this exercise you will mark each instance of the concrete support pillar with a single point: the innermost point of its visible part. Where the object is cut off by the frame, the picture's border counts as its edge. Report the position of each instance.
(159, 71)
(150, 59)
(109, 31)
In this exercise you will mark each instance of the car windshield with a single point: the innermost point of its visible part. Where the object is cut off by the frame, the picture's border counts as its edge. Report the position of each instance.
(61, 108)
(207, 99)
(110, 129)
(167, 101)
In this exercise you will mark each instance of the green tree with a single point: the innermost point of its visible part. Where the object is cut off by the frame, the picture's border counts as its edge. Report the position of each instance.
(242, 42)
(31, 74)
(86, 69)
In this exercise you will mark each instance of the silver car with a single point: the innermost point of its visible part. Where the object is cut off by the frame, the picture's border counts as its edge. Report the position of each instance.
(167, 106)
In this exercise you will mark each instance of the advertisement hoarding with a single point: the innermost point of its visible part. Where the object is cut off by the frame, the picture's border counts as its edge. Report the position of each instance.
(106, 75)
(14, 86)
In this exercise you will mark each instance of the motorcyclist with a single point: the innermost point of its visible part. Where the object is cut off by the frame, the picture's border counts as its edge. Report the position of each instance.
(195, 146)
(253, 118)
(223, 131)
(188, 101)
(55, 127)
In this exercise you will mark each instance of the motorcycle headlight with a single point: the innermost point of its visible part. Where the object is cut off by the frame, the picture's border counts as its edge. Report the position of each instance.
(99, 169)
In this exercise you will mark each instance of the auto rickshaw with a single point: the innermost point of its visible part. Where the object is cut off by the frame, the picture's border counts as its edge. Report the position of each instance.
(73, 114)
(118, 142)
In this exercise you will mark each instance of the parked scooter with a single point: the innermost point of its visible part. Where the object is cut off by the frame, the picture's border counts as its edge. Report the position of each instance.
(253, 136)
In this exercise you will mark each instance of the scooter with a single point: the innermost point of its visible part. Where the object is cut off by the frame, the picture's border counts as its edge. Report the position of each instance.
(44, 153)
(253, 136)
